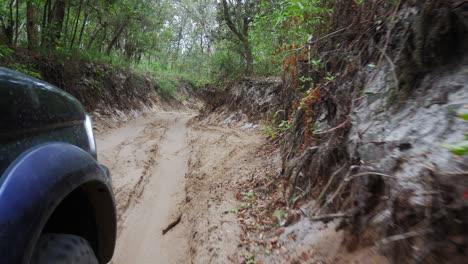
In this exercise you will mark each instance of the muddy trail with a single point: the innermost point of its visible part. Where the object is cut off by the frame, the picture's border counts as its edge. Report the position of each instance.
(164, 166)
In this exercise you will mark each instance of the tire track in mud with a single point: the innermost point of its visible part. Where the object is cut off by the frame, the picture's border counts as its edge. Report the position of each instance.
(147, 158)
(128, 156)
(163, 165)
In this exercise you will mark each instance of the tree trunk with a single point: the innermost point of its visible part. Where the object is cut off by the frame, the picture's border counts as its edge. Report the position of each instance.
(248, 59)
(31, 31)
(242, 34)
(117, 35)
(56, 23)
(44, 29)
(8, 28)
(104, 36)
(67, 20)
(17, 23)
(75, 27)
(93, 37)
(82, 29)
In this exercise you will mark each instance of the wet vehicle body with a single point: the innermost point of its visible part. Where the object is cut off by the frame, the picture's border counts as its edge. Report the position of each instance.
(51, 181)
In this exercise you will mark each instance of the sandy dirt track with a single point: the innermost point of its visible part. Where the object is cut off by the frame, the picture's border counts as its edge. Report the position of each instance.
(164, 165)
(148, 161)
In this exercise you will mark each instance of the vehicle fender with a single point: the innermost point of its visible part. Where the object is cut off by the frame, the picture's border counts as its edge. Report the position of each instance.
(35, 184)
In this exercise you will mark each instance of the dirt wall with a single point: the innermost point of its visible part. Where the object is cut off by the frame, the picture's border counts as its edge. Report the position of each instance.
(367, 138)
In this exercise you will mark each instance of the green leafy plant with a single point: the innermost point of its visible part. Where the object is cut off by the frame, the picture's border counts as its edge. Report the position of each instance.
(329, 77)
(272, 127)
(460, 148)
(317, 64)
(463, 116)
(25, 69)
(278, 214)
(367, 93)
(250, 259)
(305, 79)
(5, 51)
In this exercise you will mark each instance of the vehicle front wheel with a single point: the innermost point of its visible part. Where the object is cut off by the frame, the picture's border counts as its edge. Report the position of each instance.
(63, 249)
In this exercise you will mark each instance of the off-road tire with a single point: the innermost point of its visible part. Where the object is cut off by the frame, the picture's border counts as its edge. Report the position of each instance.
(63, 249)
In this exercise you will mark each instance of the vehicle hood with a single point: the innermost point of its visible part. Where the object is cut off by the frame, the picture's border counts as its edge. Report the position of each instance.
(28, 104)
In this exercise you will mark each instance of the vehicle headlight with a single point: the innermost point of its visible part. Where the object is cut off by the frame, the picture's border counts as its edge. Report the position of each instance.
(89, 133)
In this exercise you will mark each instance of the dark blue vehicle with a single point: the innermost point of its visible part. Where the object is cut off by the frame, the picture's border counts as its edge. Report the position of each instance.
(56, 200)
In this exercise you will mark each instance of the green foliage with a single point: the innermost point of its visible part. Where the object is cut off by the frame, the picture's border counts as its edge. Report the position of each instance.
(460, 148)
(277, 126)
(463, 116)
(367, 93)
(281, 23)
(278, 214)
(5, 51)
(330, 77)
(167, 85)
(250, 259)
(183, 38)
(224, 62)
(25, 69)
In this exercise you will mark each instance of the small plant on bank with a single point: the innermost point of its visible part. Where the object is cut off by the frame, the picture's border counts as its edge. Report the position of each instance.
(5, 51)
(273, 129)
(460, 148)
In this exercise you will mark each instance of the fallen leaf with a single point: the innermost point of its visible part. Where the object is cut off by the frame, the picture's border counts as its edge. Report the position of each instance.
(279, 231)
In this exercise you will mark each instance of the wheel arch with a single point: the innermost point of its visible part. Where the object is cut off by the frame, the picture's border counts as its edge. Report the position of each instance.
(87, 212)
(37, 186)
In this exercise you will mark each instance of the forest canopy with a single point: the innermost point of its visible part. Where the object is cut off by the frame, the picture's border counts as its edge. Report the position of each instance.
(202, 38)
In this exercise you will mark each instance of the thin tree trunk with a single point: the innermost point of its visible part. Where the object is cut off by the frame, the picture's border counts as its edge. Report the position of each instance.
(31, 31)
(93, 37)
(67, 20)
(8, 29)
(44, 28)
(17, 23)
(117, 35)
(248, 59)
(104, 36)
(82, 30)
(75, 28)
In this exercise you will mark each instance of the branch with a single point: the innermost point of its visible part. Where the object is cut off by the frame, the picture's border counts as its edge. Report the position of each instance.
(328, 217)
(172, 225)
(332, 129)
(403, 236)
(229, 22)
(368, 174)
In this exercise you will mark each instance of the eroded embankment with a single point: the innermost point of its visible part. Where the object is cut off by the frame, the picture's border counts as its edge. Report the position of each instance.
(364, 145)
